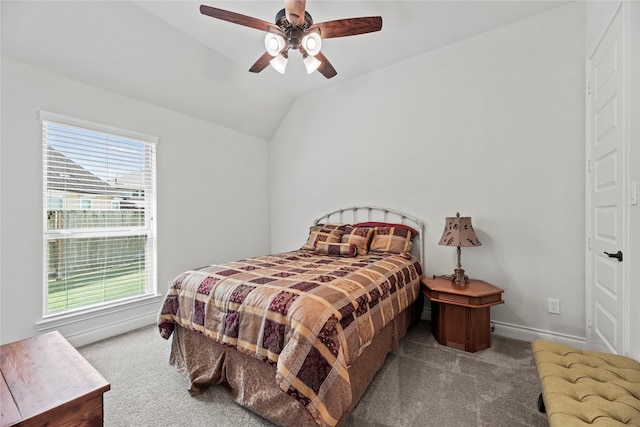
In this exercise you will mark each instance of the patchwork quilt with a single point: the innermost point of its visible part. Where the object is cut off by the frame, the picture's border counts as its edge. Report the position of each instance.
(309, 315)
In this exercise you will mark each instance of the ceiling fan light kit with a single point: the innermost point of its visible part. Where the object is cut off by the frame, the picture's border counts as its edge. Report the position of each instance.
(279, 63)
(311, 63)
(312, 43)
(274, 43)
(294, 29)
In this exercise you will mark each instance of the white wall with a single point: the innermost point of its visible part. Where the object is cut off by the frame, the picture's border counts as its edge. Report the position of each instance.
(220, 172)
(492, 127)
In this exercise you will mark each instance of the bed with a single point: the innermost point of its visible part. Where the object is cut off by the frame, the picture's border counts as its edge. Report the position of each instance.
(297, 337)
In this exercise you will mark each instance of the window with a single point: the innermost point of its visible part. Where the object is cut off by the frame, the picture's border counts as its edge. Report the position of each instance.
(99, 239)
(56, 202)
(85, 204)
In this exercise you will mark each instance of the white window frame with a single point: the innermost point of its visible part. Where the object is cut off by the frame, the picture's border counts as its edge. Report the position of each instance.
(83, 201)
(151, 292)
(61, 199)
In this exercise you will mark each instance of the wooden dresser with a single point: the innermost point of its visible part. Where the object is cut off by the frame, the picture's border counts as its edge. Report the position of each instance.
(45, 381)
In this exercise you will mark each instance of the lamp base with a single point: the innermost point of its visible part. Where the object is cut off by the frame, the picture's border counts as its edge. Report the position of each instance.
(458, 277)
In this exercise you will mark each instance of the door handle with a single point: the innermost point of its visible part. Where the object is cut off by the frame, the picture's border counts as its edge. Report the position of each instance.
(616, 255)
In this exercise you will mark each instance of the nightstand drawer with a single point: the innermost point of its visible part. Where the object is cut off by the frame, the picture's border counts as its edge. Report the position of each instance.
(465, 300)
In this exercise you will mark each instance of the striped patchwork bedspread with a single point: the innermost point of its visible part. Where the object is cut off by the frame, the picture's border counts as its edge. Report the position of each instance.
(309, 315)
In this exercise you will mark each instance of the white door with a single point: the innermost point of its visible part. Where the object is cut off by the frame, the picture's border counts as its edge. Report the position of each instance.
(606, 192)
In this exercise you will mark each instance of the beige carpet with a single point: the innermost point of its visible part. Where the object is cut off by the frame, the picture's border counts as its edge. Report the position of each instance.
(421, 384)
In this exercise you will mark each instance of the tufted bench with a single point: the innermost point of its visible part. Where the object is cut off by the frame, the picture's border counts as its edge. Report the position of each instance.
(587, 388)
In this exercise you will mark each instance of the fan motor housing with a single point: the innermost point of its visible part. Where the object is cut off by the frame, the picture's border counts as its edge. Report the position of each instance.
(282, 15)
(293, 34)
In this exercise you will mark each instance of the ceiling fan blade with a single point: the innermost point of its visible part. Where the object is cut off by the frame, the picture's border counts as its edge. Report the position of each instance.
(348, 27)
(239, 19)
(261, 63)
(294, 11)
(325, 68)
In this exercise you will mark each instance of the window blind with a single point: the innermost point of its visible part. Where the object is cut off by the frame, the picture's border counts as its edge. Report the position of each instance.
(99, 217)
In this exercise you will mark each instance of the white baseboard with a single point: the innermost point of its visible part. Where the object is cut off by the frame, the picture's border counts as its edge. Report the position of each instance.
(112, 329)
(525, 333)
(86, 328)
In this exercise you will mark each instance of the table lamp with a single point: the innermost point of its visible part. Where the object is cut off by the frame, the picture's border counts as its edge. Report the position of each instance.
(458, 232)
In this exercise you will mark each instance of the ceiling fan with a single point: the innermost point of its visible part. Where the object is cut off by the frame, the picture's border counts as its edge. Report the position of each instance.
(294, 29)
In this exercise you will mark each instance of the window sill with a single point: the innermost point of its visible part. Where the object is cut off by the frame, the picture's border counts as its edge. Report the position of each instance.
(53, 322)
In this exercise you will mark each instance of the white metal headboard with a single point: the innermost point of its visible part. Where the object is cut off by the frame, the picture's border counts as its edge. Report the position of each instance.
(371, 213)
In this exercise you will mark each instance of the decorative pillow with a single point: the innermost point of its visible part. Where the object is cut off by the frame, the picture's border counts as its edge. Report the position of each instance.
(386, 224)
(336, 249)
(358, 236)
(394, 239)
(329, 233)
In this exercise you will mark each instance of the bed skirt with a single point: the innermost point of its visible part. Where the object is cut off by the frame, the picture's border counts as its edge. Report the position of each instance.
(252, 383)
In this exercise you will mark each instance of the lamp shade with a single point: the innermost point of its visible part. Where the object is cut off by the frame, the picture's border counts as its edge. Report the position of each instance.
(279, 63)
(311, 63)
(458, 231)
(312, 43)
(274, 43)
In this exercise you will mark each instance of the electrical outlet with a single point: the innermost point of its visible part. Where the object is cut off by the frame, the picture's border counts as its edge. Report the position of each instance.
(553, 306)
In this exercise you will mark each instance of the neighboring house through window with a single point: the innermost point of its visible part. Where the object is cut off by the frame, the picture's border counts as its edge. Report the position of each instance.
(85, 204)
(99, 215)
(55, 203)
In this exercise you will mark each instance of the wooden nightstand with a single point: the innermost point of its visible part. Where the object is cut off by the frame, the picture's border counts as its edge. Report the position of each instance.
(460, 314)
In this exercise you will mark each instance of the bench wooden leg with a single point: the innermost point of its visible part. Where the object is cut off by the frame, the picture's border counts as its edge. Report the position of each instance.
(541, 407)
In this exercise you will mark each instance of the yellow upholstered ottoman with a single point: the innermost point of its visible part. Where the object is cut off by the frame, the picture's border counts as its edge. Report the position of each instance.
(587, 388)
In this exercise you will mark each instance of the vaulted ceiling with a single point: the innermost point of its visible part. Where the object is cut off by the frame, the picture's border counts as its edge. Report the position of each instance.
(166, 53)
